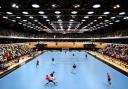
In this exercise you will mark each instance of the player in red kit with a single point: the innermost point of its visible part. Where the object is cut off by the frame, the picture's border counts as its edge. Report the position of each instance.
(109, 78)
(49, 79)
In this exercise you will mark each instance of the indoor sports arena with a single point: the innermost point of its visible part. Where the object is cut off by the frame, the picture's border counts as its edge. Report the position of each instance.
(63, 44)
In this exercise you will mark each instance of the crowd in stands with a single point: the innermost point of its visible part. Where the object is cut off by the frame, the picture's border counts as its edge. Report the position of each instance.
(116, 51)
(12, 51)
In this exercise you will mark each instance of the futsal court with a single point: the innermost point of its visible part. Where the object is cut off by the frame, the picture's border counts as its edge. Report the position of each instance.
(90, 73)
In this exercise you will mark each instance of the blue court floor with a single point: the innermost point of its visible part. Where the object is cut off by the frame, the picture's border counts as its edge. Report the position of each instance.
(90, 73)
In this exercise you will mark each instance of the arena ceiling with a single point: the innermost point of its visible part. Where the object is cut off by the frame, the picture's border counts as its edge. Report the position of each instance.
(63, 16)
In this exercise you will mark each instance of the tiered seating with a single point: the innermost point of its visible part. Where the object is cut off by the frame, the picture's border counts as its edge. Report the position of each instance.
(9, 54)
(117, 54)
(116, 51)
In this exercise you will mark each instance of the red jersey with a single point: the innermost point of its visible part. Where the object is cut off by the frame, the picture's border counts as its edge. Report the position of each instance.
(48, 78)
(108, 76)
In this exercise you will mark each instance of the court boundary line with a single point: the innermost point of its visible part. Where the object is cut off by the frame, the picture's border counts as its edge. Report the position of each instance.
(18, 66)
(112, 66)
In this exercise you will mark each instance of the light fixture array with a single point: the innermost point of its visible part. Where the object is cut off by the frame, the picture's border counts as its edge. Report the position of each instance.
(75, 20)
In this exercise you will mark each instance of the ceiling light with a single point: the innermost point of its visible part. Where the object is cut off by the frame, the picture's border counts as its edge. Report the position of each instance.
(10, 13)
(35, 20)
(117, 21)
(18, 17)
(17, 6)
(91, 23)
(19, 23)
(102, 26)
(71, 20)
(29, 23)
(90, 12)
(76, 5)
(73, 16)
(47, 20)
(86, 17)
(57, 16)
(121, 13)
(33, 24)
(41, 12)
(24, 12)
(101, 23)
(60, 24)
(45, 17)
(5, 17)
(96, 6)
(98, 27)
(114, 7)
(106, 25)
(111, 23)
(0, 7)
(74, 12)
(28, 26)
(59, 20)
(31, 27)
(54, 5)
(125, 18)
(13, 20)
(113, 17)
(31, 17)
(57, 12)
(40, 22)
(106, 13)
(24, 20)
(95, 20)
(88, 25)
(106, 20)
(97, 24)
(35, 6)
(100, 17)
(70, 24)
(13, 5)
(118, 6)
(24, 25)
(83, 20)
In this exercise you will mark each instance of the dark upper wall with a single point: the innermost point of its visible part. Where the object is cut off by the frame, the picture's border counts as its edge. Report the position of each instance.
(119, 29)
